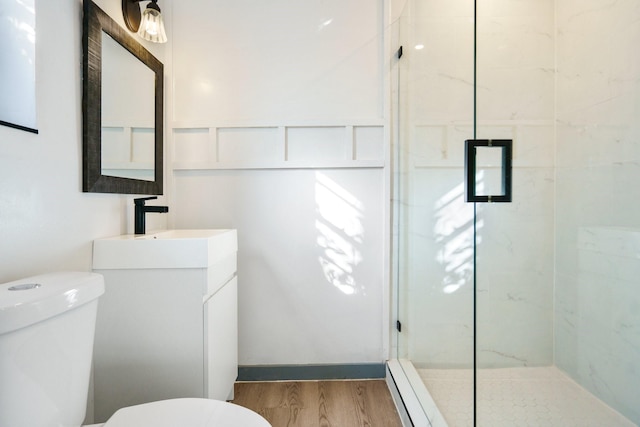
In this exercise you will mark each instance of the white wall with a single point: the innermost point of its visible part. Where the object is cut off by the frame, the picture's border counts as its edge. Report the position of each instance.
(310, 259)
(278, 129)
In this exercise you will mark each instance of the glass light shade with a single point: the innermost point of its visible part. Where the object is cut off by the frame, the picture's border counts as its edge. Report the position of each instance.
(152, 26)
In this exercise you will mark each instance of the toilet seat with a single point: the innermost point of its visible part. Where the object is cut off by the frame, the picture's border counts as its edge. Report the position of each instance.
(190, 412)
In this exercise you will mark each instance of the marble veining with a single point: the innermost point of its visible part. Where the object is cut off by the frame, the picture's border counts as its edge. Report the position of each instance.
(603, 317)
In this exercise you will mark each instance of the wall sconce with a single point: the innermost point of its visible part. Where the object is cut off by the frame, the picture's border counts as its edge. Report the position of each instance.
(148, 24)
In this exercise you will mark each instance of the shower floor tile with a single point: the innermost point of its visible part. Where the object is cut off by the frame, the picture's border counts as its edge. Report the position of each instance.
(517, 397)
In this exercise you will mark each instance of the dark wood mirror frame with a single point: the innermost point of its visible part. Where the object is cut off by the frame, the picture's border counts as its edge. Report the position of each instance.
(95, 22)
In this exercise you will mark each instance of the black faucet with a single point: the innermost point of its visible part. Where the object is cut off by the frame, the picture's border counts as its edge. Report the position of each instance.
(141, 210)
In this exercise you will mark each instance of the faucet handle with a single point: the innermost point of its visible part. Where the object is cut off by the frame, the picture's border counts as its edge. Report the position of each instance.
(141, 200)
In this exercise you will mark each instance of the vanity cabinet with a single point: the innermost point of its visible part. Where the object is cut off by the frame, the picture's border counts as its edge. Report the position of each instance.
(164, 333)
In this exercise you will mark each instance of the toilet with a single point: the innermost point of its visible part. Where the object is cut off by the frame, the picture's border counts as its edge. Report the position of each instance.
(47, 325)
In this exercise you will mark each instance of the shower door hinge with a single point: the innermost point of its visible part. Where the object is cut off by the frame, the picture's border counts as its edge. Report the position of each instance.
(398, 326)
(400, 52)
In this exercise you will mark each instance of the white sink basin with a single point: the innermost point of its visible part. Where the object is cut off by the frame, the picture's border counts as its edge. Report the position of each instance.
(164, 249)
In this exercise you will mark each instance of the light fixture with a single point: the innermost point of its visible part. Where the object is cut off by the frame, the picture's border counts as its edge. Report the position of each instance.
(148, 24)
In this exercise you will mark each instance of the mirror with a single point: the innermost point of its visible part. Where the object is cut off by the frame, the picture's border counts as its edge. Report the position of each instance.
(122, 108)
(127, 114)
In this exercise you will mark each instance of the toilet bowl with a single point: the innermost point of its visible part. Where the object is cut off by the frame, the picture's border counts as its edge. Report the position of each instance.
(47, 325)
(185, 412)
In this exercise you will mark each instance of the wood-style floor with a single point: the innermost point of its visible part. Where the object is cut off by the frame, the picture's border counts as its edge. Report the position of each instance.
(320, 403)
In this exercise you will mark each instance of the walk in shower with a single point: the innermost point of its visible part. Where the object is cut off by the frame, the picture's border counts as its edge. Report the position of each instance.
(520, 312)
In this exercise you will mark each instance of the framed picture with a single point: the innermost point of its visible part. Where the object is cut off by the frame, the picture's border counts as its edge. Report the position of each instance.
(18, 64)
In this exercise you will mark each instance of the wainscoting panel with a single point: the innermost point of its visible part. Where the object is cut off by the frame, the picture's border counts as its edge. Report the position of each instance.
(269, 146)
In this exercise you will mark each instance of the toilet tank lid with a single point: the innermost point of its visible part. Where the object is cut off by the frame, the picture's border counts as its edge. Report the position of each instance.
(33, 299)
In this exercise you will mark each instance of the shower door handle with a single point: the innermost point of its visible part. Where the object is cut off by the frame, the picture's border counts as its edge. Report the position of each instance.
(488, 170)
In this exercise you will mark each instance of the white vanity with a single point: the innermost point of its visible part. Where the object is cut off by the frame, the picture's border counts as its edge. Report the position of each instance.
(167, 323)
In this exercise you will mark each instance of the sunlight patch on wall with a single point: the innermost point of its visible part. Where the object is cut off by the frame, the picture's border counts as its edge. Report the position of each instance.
(340, 233)
(454, 235)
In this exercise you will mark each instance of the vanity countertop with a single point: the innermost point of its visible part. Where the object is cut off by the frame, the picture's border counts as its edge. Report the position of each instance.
(164, 249)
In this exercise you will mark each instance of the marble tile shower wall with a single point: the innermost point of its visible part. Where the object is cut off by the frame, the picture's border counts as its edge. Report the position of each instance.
(515, 241)
(597, 328)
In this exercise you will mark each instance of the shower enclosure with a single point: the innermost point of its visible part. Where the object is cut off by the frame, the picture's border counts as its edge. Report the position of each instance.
(523, 311)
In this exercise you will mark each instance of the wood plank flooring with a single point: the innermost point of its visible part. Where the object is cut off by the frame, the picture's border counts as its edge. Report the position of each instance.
(320, 403)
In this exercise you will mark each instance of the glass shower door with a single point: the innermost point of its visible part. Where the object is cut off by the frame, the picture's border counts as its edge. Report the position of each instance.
(435, 224)
(514, 88)
(475, 270)
(519, 309)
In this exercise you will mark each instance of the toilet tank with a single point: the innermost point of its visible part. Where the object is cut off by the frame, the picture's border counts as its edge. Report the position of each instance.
(46, 343)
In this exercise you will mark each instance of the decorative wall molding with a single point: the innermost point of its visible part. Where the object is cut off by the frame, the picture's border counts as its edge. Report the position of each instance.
(200, 146)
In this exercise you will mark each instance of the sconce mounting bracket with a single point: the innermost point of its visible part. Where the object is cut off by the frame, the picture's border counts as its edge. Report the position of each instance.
(131, 14)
